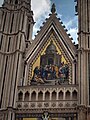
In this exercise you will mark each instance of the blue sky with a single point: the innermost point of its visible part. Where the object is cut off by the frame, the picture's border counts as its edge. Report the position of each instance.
(65, 10)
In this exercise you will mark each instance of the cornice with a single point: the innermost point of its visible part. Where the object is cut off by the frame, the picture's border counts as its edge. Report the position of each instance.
(50, 110)
(83, 32)
(15, 33)
(10, 53)
(20, 8)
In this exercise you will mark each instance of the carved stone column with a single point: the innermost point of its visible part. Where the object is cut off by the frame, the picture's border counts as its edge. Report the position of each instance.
(82, 112)
(7, 114)
(88, 113)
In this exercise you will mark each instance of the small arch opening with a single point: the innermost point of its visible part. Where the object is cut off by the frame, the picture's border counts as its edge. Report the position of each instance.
(60, 95)
(20, 96)
(16, 2)
(40, 95)
(26, 96)
(47, 96)
(74, 95)
(33, 96)
(54, 95)
(67, 95)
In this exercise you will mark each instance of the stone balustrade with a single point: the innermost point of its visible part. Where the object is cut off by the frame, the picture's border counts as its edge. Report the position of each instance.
(58, 96)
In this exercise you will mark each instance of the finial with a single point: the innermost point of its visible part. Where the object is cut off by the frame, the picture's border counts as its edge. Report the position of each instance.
(53, 9)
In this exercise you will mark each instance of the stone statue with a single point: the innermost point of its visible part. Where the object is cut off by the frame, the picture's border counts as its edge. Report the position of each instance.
(45, 116)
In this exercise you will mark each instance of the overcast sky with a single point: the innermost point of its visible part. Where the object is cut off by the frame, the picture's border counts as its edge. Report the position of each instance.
(65, 10)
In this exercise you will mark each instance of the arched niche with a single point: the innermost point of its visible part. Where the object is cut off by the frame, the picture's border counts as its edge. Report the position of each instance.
(40, 95)
(54, 94)
(60, 95)
(74, 95)
(20, 96)
(33, 96)
(26, 98)
(47, 95)
(68, 95)
(16, 2)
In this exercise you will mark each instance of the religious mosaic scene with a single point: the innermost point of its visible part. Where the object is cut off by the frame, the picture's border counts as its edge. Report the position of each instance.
(52, 67)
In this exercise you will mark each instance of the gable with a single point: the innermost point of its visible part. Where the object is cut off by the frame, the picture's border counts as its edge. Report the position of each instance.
(51, 31)
(52, 25)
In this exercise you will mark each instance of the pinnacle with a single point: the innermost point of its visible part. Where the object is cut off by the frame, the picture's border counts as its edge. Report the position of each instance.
(53, 9)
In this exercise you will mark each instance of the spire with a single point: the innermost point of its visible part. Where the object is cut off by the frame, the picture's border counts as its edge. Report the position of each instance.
(53, 9)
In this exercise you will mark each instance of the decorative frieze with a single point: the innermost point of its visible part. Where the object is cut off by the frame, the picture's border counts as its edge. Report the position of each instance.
(49, 104)
(82, 108)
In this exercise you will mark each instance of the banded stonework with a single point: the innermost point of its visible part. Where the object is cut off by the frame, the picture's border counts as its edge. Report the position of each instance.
(47, 78)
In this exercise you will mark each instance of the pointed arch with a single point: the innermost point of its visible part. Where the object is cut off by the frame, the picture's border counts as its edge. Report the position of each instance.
(47, 95)
(40, 95)
(60, 96)
(54, 94)
(26, 98)
(33, 96)
(74, 95)
(20, 96)
(16, 2)
(68, 95)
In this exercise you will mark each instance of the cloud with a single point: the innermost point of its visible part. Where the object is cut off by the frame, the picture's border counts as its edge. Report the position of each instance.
(73, 32)
(72, 27)
(1, 2)
(72, 22)
(41, 9)
(59, 15)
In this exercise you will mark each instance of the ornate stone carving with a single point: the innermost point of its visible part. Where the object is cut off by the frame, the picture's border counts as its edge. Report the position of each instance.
(81, 108)
(26, 105)
(39, 105)
(53, 105)
(46, 104)
(74, 104)
(67, 105)
(19, 105)
(60, 105)
(32, 105)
